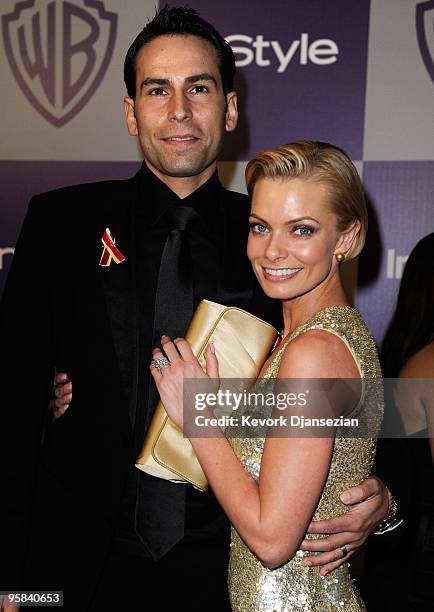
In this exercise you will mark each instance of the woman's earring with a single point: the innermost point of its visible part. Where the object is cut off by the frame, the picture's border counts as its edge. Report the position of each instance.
(340, 257)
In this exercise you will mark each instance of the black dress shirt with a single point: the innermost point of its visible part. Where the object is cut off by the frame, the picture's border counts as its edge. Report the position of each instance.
(204, 238)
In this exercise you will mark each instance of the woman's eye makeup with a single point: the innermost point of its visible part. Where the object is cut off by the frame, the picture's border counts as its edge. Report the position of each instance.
(258, 228)
(304, 231)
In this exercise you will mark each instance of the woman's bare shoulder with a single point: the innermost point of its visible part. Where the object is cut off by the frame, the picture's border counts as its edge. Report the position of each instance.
(421, 364)
(318, 353)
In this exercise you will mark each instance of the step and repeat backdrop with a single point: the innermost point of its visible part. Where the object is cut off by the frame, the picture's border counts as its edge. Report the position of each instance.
(357, 74)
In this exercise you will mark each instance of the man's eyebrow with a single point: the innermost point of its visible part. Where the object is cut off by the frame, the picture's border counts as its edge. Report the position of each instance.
(204, 76)
(154, 81)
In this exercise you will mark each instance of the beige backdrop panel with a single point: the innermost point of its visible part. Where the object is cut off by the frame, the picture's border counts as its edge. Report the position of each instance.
(399, 120)
(98, 132)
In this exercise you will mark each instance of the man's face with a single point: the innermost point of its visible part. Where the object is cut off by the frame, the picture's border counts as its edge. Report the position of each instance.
(180, 113)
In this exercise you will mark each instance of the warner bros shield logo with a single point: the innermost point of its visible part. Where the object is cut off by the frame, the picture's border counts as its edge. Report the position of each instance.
(425, 33)
(59, 52)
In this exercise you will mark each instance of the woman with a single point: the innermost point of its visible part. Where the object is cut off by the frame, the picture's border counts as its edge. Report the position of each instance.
(308, 214)
(408, 346)
(407, 354)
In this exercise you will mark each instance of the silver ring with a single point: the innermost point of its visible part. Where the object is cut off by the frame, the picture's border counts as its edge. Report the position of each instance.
(344, 551)
(159, 363)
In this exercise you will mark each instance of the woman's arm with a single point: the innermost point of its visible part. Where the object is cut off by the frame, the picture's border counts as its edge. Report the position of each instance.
(414, 395)
(427, 373)
(429, 407)
(271, 516)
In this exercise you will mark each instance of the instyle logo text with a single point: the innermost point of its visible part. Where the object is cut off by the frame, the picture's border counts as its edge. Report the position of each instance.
(272, 53)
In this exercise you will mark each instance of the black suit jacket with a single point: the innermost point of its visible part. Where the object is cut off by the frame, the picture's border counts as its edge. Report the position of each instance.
(62, 483)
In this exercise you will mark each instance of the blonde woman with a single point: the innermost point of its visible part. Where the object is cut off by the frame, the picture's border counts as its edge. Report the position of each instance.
(308, 214)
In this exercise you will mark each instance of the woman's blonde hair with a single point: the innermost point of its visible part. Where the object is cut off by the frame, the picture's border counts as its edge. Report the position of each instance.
(325, 164)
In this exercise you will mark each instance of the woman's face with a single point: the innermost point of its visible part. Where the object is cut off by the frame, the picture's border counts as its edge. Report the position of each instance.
(293, 236)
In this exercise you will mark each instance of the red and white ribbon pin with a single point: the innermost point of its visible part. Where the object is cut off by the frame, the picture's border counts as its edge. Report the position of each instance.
(110, 250)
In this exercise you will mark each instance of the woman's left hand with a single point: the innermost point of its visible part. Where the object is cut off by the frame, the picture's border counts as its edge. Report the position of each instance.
(181, 364)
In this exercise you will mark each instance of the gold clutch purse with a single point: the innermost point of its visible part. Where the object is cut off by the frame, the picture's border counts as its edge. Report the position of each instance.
(242, 343)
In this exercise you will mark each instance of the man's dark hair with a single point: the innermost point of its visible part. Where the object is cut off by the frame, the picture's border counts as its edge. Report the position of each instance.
(182, 21)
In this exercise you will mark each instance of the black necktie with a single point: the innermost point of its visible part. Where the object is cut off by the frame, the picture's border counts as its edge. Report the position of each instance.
(175, 290)
(173, 312)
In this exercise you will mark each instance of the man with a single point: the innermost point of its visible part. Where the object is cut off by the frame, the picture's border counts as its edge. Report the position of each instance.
(76, 515)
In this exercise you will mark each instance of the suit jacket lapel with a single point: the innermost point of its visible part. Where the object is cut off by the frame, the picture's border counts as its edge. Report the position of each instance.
(120, 289)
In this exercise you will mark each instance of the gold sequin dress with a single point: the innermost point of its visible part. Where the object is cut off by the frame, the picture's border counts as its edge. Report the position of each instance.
(292, 587)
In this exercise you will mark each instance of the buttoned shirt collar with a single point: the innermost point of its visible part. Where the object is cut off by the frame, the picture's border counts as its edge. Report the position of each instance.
(156, 197)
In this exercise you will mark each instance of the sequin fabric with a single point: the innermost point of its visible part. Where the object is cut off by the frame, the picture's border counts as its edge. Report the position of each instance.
(292, 587)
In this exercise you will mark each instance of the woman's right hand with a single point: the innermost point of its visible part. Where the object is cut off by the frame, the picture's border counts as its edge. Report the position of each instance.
(62, 395)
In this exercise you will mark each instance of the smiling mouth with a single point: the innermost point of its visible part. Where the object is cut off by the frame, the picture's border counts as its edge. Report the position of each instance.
(180, 139)
(280, 273)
